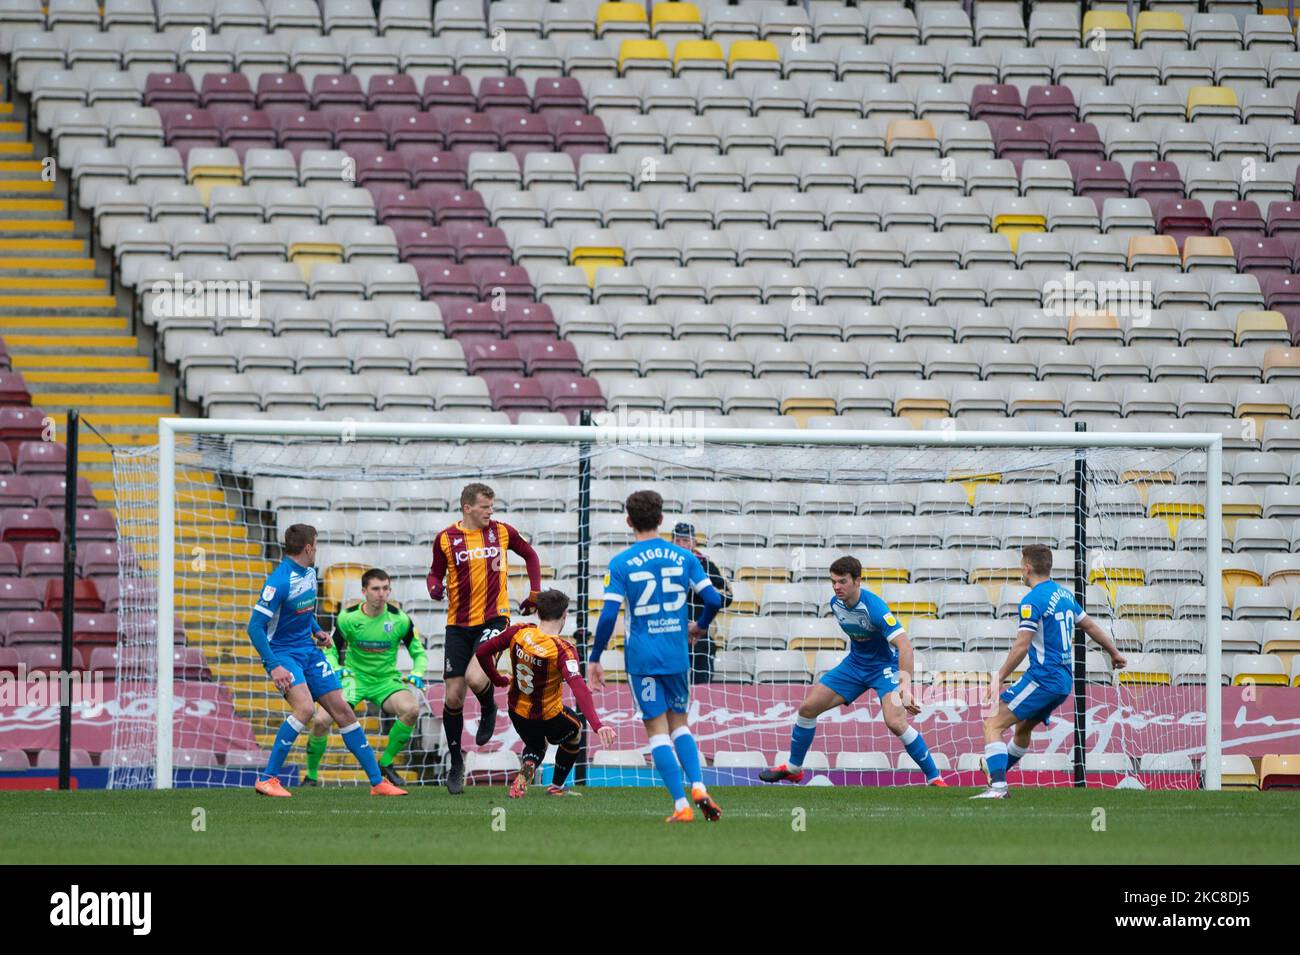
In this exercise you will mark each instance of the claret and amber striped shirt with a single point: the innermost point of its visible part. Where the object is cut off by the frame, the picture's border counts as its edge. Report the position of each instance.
(473, 565)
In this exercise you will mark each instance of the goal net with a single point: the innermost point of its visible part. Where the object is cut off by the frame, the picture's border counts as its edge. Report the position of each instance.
(936, 517)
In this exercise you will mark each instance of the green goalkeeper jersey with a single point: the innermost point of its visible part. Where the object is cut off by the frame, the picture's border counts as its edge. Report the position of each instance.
(370, 643)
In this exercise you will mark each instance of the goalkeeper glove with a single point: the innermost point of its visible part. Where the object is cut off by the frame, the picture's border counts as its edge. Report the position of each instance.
(415, 681)
(529, 604)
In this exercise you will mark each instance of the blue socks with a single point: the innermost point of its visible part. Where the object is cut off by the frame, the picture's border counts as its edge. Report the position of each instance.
(284, 740)
(1014, 752)
(665, 759)
(354, 737)
(995, 754)
(688, 754)
(801, 738)
(920, 753)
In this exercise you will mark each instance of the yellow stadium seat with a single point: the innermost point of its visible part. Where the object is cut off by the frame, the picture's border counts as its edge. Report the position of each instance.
(1281, 364)
(1239, 576)
(339, 582)
(1094, 327)
(696, 56)
(1115, 570)
(207, 178)
(1114, 25)
(882, 567)
(1013, 226)
(1167, 30)
(1258, 327)
(911, 137)
(676, 19)
(753, 56)
(1154, 251)
(821, 633)
(1212, 101)
(1208, 252)
(1144, 669)
(621, 18)
(1239, 772)
(919, 410)
(1279, 772)
(644, 56)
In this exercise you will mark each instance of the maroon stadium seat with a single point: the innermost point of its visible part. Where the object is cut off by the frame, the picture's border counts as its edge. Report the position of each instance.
(392, 89)
(432, 165)
(104, 660)
(476, 319)
(1018, 138)
(16, 491)
(282, 89)
(1073, 140)
(355, 126)
(97, 558)
(376, 164)
(1099, 179)
(94, 629)
(447, 285)
(195, 759)
(405, 128)
(226, 89)
(542, 355)
(9, 660)
(41, 559)
(478, 244)
(1240, 217)
(9, 565)
(559, 94)
(85, 597)
(503, 93)
(1155, 180)
(161, 89)
(245, 758)
(77, 759)
(337, 89)
(47, 657)
(21, 423)
(244, 126)
(492, 354)
(29, 626)
(1050, 101)
(50, 491)
(188, 664)
(14, 761)
(991, 101)
(515, 393)
(523, 133)
(572, 393)
(513, 279)
(1180, 218)
(453, 204)
(301, 127)
(1283, 217)
(1262, 255)
(529, 318)
(13, 390)
(19, 593)
(20, 524)
(448, 91)
(41, 457)
(187, 127)
(418, 240)
(578, 135)
(6, 460)
(395, 203)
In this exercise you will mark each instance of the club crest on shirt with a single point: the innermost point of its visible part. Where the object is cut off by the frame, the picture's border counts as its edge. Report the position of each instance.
(1026, 613)
(299, 584)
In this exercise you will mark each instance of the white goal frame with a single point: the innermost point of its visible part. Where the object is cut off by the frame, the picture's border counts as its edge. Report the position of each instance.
(168, 428)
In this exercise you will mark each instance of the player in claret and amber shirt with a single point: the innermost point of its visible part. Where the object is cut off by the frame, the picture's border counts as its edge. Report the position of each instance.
(470, 569)
(541, 662)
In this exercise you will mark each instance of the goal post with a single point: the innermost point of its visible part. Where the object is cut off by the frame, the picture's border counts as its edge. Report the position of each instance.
(803, 458)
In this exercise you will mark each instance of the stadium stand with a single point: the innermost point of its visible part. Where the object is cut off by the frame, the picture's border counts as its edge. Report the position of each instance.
(755, 214)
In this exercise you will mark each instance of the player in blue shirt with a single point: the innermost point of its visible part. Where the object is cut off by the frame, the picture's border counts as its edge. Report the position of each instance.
(1048, 615)
(283, 630)
(880, 658)
(652, 577)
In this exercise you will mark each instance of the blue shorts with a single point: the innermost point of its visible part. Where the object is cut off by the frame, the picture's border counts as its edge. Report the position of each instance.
(308, 665)
(1029, 701)
(854, 676)
(657, 694)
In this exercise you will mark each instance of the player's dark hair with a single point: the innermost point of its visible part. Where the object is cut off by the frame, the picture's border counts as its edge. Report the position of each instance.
(1039, 559)
(847, 567)
(297, 537)
(469, 494)
(645, 509)
(373, 573)
(551, 604)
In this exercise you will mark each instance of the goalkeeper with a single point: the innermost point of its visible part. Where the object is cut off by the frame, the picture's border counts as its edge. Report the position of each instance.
(366, 637)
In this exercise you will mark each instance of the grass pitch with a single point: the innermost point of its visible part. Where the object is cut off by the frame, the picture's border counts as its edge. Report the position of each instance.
(610, 825)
